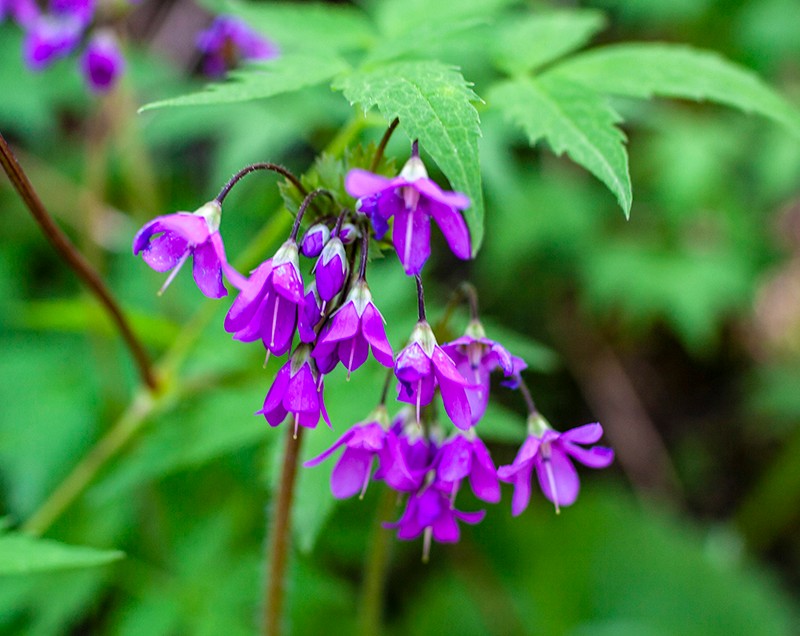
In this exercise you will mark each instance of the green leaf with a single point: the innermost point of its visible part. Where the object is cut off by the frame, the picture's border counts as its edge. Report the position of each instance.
(408, 16)
(573, 120)
(434, 105)
(21, 554)
(285, 74)
(644, 70)
(301, 27)
(530, 41)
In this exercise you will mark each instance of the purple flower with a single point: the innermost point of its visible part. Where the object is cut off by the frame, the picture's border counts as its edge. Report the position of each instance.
(407, 456)
(411, 198)
(102, 62)
(475, 357)
(269, 302)
(459, 458)
(297, 389)
(314, 240)
(331, 269)
(348, 233)
(354, 327)
(430, 511)
(228, 40)
(363, 442)
(167, 241)
(310, 314)
(422, 366)
(549, 452)
(49, 38)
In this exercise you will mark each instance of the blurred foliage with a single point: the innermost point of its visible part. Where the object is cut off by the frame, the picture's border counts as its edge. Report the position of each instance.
(695, 296)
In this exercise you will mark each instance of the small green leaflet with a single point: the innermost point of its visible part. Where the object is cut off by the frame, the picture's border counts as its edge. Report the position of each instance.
(21, 554)
(285, 74)
(574, 120)
(527, 42)
(644, 70)
(434, 105)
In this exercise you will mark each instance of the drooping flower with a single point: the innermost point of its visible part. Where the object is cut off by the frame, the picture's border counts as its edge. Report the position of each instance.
(167, 241)
(430, 512)
(407, 455)
(355, 327)
(314, 240)
(549, 452)
(460, 458)
(412, 199)
(348, 233)
(363, 442)
(476, 356)
(102, 61)
(269, 301)
(297, 389)
(49, 38)
(229, 40)
(331, 269)
(421, 367)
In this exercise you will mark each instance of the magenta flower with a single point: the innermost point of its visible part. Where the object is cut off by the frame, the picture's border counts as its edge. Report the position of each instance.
(310, 314)
(412, 199)
(331, 268)
(49, 38)
(407, 456)
(431, 512)
(475, 357)
(102, 62)
(167, 241)
(269, 302)
(460, 458)
(422, 366)
(297, 389)
(355, 327)
(228, 40)
(363, 442)
(549, 452)
(314, 240)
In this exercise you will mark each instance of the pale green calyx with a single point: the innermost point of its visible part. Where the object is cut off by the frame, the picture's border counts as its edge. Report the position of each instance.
(537, 425)
(212, 213)
(423, 336)
(287, 253)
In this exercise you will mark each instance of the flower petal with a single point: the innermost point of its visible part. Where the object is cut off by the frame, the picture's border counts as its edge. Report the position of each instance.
(455, 230)
(350, 472)
(361, 183)
(374, 332)
(165, 252)
(247, 302)
(483, 476)
(455, 459)
(563, 476)
(344, 325)
(586, 434)
(412, 239)
(207, 271)
(594, 457)
(353, 353)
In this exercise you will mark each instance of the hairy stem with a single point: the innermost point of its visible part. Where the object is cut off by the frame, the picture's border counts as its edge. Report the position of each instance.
(382, 145)
(77, 262)
(264, 165)
(277, 552)
(420, 299)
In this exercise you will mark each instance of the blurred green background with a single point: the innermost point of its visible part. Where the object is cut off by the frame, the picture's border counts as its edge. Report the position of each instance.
(679, 330)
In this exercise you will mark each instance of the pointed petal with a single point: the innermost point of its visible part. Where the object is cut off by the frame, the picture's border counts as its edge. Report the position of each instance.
(412, 239)
(431, 190)
(361, 183)
(586, 434)
(564, 478)
(344, 325)
(248, 300)
(372, 328)
(353, 353)
(445, 528)
(347, 478)
(452, 225)
(522, 491)
(207, 271)
(455, 459)
(288, 282)
(301, 392)
(594, 457)
(191, 228)
(483, 476)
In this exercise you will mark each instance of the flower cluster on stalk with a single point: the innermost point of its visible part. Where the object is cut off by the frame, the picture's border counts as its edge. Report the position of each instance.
(431, 447)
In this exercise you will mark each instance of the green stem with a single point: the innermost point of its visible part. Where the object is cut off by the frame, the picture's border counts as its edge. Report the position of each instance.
(277, 553)
(375, 567)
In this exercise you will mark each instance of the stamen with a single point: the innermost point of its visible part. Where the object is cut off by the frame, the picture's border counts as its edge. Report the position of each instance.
(174, 272)
(266, 359)
(275, 319)
(296, 423)
(419, 398)
(426, 544)
(551, 480)
(366, 481)
(409, 233)
(352, 355)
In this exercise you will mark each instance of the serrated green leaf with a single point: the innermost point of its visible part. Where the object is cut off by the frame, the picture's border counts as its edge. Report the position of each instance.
(574, 120)
(527, 42)
(285, 74)
(302, 27)
(669, 70)
(434, 105)
(21, 554)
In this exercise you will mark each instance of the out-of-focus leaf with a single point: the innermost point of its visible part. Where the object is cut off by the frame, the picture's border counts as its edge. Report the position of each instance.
(644, 70)
(396, 18)
(285, 74)
(526, 42)
(434, 105)
(22, 554)
(573, 120)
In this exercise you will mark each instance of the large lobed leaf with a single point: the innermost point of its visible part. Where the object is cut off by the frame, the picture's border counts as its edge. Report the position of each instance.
(21, 554)
(574, 120)
(434, 105)
(288, 73)
(644, 70)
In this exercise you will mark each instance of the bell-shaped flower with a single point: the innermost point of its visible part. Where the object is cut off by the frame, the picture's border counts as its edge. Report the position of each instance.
(102, 62)
(407, 455)
(229, 40)
(355, 327)
(363, 442)
(167, 241)
(331, 268)
(412, 199)
(461, 457)
(348, 233)
(431, 512)
(297, 389)
(476, 356)
(551, 454)
(422, 366)
(267, 306)
(314, 240)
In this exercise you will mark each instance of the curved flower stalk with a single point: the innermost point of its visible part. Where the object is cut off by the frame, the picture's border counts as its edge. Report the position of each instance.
(551, 453)
(166, 242)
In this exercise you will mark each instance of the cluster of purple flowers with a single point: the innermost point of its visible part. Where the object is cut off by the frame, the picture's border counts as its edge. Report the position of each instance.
(336, 321)
(69, 25)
